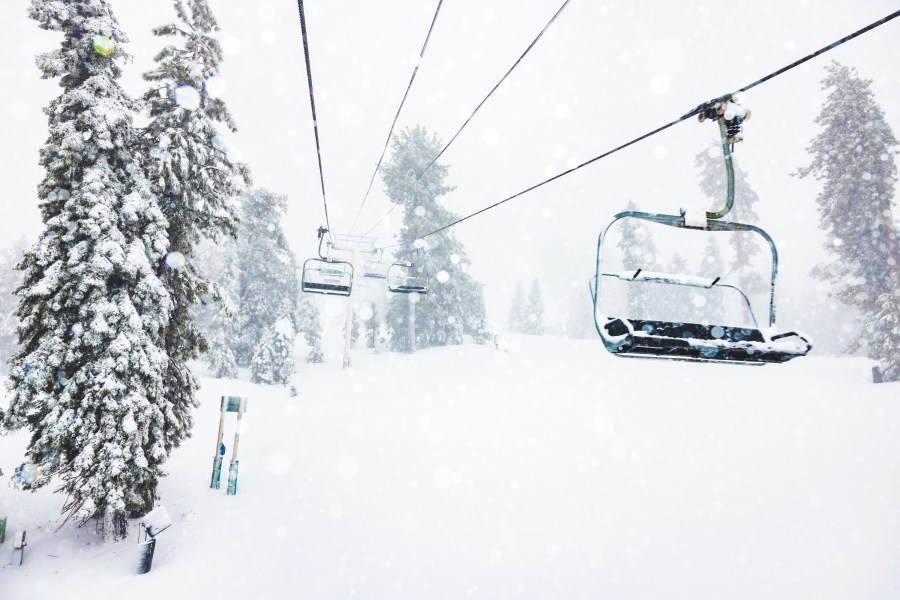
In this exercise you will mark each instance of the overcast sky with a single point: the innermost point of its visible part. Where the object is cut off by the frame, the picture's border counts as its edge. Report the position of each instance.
(604, 73)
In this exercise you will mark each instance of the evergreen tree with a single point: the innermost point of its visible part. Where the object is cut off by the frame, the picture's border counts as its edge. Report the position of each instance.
(268, 287)
(354, 329)
(217, 317)
(676, 302)
(372, 329)
(534, 320)
(220, 335)
(745, 245)
(518, 311)
(883, 332)
(854, 158)
(712, 264)
(308, 323)
(678, 264)
(194, 180)
(88, 377)
(579, 316)
(638, 252)
(273, 357)
(10, 279)
(454, 303)
(483, 331)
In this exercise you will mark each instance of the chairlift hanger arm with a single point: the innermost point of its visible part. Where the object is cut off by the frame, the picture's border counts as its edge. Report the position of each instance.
(321, 232)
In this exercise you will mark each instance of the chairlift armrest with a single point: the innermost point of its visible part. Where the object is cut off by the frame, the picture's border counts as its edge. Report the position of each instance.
(787, 334)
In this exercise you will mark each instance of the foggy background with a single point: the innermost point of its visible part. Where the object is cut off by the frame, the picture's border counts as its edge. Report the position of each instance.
(603, 73)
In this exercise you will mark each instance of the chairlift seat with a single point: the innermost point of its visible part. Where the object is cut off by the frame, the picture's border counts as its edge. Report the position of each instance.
(410, 289)
(327, 288)
(403, 280)
(327, 277)
(699, 342)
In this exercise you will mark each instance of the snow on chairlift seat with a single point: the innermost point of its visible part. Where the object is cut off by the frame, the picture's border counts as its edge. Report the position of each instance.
(695, 341)
(701, 342)
(327, 277)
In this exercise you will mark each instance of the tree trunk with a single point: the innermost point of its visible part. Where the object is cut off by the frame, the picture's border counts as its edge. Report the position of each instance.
(115, 527)
(411, 327)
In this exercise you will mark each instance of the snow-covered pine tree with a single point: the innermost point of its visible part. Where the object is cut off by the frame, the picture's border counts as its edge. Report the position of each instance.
(883, 332)
(10, 280)
(354, 329)
(371, 329)
(676, 303)
(453, 304)
(711, 263)
(745, 245)
(677, 265)
(579, 317)
(220, 334)
(534, 319)
(217, 318)
(194, 179)
(518, 311)
(273, 357)
(483, 332)
(638, 252)
(853, 156)
(268, 287)
(308, 322)
(719, 307)
(88, 377)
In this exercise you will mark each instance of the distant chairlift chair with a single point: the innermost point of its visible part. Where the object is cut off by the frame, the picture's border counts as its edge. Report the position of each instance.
(326, 275)
(406, 278)
(375, 269)
(629, 337)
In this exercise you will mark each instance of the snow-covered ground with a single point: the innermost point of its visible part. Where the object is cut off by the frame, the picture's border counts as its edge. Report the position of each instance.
(553, 470)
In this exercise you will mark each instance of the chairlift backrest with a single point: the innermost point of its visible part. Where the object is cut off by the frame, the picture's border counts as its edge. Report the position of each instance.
(375, 269)
(321, 276)
(325, 275)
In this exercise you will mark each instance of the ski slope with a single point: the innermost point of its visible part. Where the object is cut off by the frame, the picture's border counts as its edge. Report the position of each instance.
(553, 470)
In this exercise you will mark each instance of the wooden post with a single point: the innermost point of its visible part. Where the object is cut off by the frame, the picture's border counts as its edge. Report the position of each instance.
(217, 457)
(411, 326)
(348, 328)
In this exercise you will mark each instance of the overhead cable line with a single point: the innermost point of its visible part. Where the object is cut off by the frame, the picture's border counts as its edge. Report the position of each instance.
(477, 108)
(494, 89)
(696, 111)
(396, 116)
(312, 103)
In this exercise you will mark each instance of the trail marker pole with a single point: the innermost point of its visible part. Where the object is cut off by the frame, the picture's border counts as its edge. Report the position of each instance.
(19, 544)
(236, 404)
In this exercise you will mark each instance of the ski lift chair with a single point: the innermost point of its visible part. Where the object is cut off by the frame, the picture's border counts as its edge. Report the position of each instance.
(646, 338)
(375, 268)
(404, 278)
(326, 275)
